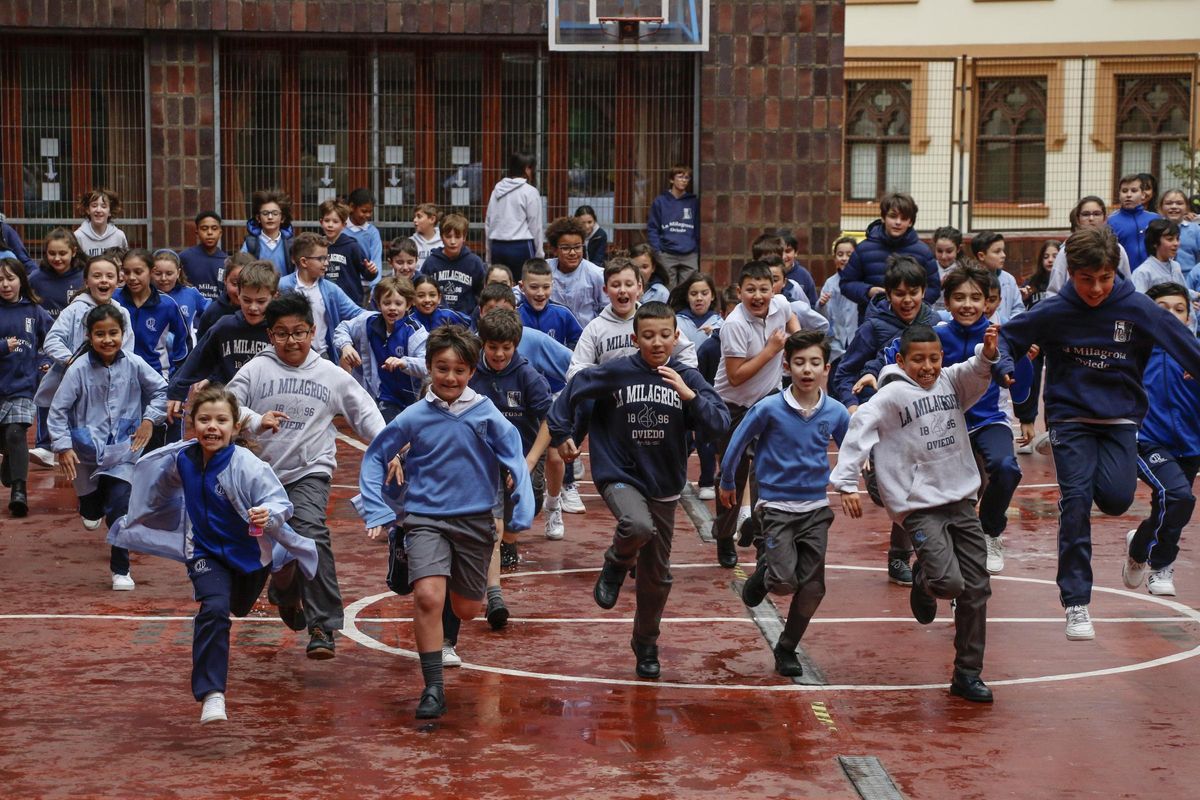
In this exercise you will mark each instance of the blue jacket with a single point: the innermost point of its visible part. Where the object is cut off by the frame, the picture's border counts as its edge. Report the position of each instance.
(10, 239)
(205, 271)
(674, 223)
(281, 256)
(221, 307)
(461, 279)
(708, 356)
(791, 454)
(191, 303)
(157, 521)
(368, 335)
(55, 290)
(338, 306)
(19, 368)
(1174, 407)
(371, 242)
(1130, 227)
(638, 422)
(865, 353)
(219, 354)
(800, 274)
(691, 326)
(656, 291)
(868, 263)
(217, 530)
(1096, 357)
(346, 267)
(554, 320)
(597, 245)
(161, 335)
(547, 356)
(440, 317)
(1189, 246)
(519, 392)
(453, 466)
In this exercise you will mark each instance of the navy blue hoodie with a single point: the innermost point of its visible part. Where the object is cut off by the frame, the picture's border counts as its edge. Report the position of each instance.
(519, 392)
(865, 351)
(674, 224)
(868, 263)
(204, 270)
(220, 353)
(11, 240)
(1096, 357)
(18, 369)
(460, 279)
(346, 267)
(217, 309)
(54, 289)
(638, 422)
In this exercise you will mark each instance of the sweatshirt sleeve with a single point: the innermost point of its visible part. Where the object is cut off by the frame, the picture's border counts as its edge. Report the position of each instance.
(971, 378)
(358, 407)
(373, 471)
(181, 338)
(58, 422)
(747, 431)
(154, 392)
(861, 437)
(584, 385)
(1015, 340)
(199, 364)
(506, 444)
(57, 346)
(343, 306)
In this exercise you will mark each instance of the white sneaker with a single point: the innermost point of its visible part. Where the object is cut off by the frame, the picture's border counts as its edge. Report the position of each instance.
(1025, 449)
(1162, 581)
(1041, 443)
(555, 529)
(91, 524)
(43, 456)
(1079, 624)
(995, 554)
(449, 657)
(743, 515)
(122, 583)
(1133, 572)
(569, 500)
(580, 469)
(213, 709)
(706, 492)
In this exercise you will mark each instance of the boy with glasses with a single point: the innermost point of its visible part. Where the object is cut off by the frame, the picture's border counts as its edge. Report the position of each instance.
(270, 229)
(329, 303)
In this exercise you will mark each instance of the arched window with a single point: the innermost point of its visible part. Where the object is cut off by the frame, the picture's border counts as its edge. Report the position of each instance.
(1010, 144)
(1152, 124)
(877, 138)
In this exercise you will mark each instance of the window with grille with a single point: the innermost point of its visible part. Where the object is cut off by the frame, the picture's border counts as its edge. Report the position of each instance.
(878, 116)
(71, 118)
(1010, 145)
(1152, 123)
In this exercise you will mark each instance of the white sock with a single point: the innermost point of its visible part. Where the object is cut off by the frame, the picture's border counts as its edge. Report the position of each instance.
(551, 502)
(744, 511)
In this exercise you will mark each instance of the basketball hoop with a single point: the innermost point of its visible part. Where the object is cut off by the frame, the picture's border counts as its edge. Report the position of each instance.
(629, 29)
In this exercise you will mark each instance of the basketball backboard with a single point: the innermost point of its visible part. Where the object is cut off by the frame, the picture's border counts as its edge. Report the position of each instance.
(633, 25)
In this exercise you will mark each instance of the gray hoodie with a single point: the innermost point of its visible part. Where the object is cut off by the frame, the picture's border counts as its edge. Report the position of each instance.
(311, 395)
(514, 213)
(923, 458)
(93, 244)
(66, 336)
(608, 337)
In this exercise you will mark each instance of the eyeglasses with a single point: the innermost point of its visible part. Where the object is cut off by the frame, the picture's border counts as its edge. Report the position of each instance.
(269, 214)
(323, 259)
(1091, 214)
(571, 248)
(298, 336)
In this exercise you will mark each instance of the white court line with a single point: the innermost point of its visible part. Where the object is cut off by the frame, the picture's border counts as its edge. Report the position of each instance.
(818, 621)
(355, 443)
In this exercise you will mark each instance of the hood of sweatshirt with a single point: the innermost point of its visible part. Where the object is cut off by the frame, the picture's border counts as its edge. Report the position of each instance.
(309, 362)
(876, 232)
(514, 364)
(894, 372)
(507, 186)
(610, 317)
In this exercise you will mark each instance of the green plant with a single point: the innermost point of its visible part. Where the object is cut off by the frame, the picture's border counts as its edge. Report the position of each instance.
(1187, 172)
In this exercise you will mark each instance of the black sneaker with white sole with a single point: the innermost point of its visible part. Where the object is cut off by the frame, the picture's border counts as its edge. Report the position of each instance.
(899, 572)
(320, 643)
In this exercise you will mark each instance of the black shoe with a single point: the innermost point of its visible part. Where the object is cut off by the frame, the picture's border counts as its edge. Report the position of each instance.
(320, 643)
(608, 585)
(647, 660)
(726, 553)
(748, 531)
(970, 687)
(754, 590)
(786, 662)
(508, 555)
(899, 572)
(924, 607)
(432, 703)
(18, 502)
(497, 613)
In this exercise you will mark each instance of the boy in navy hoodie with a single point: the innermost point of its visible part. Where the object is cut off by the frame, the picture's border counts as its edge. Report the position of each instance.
(673, 228)
(644, 405)
(348, 266)
(791, 432)
(1130, 220)
(1097, 334)
(458, 272)
(204, 262)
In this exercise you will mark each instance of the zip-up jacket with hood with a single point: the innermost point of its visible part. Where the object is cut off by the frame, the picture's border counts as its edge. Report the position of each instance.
(1096, 357)
(338, 306)
(205, 270)
(159, 520)
(581, 290)
(191, 304)
(1129, 224)
(311, 395)
(1174, 407)
(93, 244)
(519, 392)
(29, 324)
(347, 267)
(869, 260)
(54, 289)
(161, 334)
(368, 335)
(460, 279)
(608, 337)
(221, 352)
(925, 460)
(554, 320)
(881, 327)
(674, 223)
(280, 255)
(66, 336)
(452, 466)
(514, 213)
(638, 423)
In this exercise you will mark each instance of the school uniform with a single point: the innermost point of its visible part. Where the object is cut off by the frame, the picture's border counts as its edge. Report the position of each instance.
(55, 289)
(66, 336)
(1189, 246)
(397, 389)
(1129, 224)
(191, 304)
(278, 250)
(221, 307)
(547, 356)
(161, 335)
(1059, 275)
(691, 325)
(869, 262)
(204, 270)
(1152, 272)
(368, 238)
(842, 314)
(330, 306)
(11, 240)
(608, 337)
(460, 279)
(94, 244)
(596, 245)
(440, 317)
(673, 230)
(655, 292)
(864, 353)
(346, 266)
(580, 290)
(803, 279)
(555, 320)
(426, 246)
(219, 354)
(1011, 304)
(29, 324)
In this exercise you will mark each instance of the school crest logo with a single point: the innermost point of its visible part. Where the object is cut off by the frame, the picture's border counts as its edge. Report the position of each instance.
(687, 213)
(1122, 330)
(513, 398)
(151, 324)
(1157, 458)
(29, 325)
(200, 566)
(646, 417)
(824, 430)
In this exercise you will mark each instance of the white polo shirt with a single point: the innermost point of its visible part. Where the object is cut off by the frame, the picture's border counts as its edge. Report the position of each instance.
(744, 336)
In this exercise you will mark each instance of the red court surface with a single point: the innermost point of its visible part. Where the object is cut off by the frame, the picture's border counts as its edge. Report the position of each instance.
(97, 701)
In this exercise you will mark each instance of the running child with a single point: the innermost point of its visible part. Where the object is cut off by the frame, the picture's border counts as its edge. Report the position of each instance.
(23, 327)
(790, 432)
(988, 249)
(642, 407)
(456, 438)
(168, 278)
(841, 312)
(358, 226)
(694, 301)
(330, 305)
(98, 233)
(221, 511)
(459, 273)
(928, 482)
(307, 391)
(427, 237)
(1087, 213)
(891, 235)
(204, 261)
(348, 266)
(1162, 243)
(538, 311)
(1098, 335)
(793, 269)
(578, 283)
(427, 307)
(269, 229)
(101, 417)
(401, 259)
(655, 279)
(1129, 222)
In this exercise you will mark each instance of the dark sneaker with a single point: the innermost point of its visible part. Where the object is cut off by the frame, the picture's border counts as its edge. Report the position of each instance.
(754, 590)
(726, 553)
(508, 555)
(608, 585)
(924, 607)
(18, 502)
(320, 643)
(970, 687)
(899, 572)
(432, 703)
(748, 531)
(647, 660)
(497, 613)
(787, 663)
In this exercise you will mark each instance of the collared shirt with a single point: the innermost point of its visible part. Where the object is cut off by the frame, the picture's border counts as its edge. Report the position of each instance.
(798, 506)
(467, 400)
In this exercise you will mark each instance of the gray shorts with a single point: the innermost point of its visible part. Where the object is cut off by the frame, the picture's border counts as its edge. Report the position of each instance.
(459, 548)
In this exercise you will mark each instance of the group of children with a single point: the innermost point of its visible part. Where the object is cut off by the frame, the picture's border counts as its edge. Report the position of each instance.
(458, 375)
